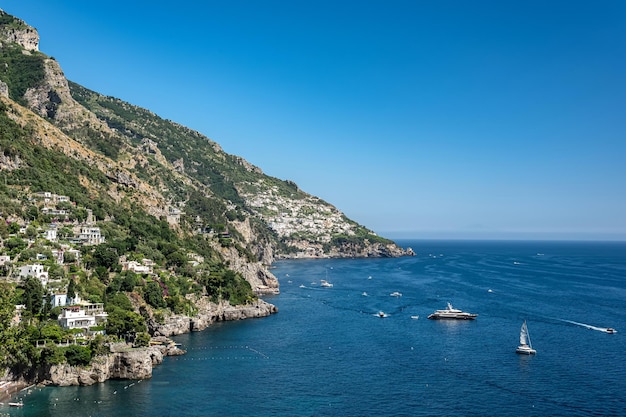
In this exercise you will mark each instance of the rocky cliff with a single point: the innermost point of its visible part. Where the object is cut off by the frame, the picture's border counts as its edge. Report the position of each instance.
(208, 313)
(124, 362)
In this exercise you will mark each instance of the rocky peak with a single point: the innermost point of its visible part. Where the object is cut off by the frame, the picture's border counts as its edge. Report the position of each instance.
(17, 31)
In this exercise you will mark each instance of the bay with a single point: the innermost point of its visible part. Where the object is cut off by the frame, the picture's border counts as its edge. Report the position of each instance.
(327, 353)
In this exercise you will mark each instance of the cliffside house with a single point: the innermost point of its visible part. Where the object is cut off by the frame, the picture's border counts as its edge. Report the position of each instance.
(60, 254)
(82, 317)
(51, 233)
(48, 197)
(62, 300)
(34, 270)
(90, 235)
(4, 259)
(17, 315)
(145, 267)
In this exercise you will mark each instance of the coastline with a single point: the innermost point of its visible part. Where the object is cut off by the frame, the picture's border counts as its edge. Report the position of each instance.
(126, 363)
(8, 389)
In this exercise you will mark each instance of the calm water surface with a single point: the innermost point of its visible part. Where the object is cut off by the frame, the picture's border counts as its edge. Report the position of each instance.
(326, 353)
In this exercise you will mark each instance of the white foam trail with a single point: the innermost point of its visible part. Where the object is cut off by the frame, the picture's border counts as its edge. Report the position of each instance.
(587, 326)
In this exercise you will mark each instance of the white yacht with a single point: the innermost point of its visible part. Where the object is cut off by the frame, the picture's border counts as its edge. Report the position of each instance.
(451, 313)
(325, 283)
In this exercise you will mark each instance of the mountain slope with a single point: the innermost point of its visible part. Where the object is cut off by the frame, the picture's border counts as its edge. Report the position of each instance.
(131, 159)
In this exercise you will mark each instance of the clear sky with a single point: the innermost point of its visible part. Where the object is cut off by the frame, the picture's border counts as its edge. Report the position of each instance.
(427, 119)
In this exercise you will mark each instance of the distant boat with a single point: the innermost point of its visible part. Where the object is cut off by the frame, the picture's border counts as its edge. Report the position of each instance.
(302, 286)
(17, 404)
(611, 330)
(451, 313)
(381, 314)
(396, 294)
(364, 294)
(525, 346)
(415, 317)
(325, 283)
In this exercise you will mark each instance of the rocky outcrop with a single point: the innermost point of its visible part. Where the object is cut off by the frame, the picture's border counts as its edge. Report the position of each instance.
(208, 313)
(20, 33)
(4, 89)
(124, 362)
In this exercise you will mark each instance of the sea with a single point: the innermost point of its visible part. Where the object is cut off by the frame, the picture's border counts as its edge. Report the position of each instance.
(327, 352)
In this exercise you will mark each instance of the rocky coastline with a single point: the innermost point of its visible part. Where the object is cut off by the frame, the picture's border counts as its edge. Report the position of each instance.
(128, 362)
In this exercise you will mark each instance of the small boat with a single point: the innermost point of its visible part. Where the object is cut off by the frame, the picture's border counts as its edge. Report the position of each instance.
(525, 346)
(451, 313)
(16, 404)
(302, 286)
(325, 283)
(396, 294)
(381, 314)
(415, 317)
(611, 330)
(364, 294)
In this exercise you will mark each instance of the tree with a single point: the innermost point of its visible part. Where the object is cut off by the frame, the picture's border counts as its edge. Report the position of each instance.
(71, 289)
(142, 340)
(7, 308)
(121, 322)
(105, 256)
(78, 355)
(33, 295)
(153, 294)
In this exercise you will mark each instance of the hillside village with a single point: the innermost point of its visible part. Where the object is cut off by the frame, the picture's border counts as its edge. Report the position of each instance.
(57, 246)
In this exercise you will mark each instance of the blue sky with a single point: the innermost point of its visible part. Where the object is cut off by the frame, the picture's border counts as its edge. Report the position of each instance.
(432, 119)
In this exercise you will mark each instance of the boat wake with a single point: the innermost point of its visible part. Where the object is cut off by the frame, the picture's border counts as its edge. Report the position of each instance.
(590, 327)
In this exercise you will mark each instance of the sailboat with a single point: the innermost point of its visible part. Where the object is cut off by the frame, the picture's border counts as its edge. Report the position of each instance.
(525, 346)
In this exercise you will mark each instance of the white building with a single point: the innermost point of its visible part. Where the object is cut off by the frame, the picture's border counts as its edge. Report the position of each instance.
(75, 318)
(34, 270)
(82, 317)
(62, 300)
(4, 259)
(91, 235)
(51, 234)
(136, 267)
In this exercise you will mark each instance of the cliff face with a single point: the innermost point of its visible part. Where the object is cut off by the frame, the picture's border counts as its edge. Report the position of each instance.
(17, 31)
(123, 363)
(209, 313)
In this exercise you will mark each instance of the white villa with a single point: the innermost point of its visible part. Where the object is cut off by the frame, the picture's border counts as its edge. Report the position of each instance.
(82, 317)
(90, 235)
(138, 268)
(35, 270)
(62, 300)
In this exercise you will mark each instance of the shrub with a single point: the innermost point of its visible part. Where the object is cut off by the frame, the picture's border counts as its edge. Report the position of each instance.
(78, 355)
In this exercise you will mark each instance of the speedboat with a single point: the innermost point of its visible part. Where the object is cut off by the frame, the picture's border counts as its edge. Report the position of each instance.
(381, 314)
(16, 404)
(611, 330)
(325, 283)
(451, 313)
(396, 294)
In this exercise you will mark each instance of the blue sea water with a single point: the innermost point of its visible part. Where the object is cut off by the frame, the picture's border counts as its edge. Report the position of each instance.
(326, 353)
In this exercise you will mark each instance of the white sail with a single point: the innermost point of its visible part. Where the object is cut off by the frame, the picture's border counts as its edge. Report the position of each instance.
(523, 334)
